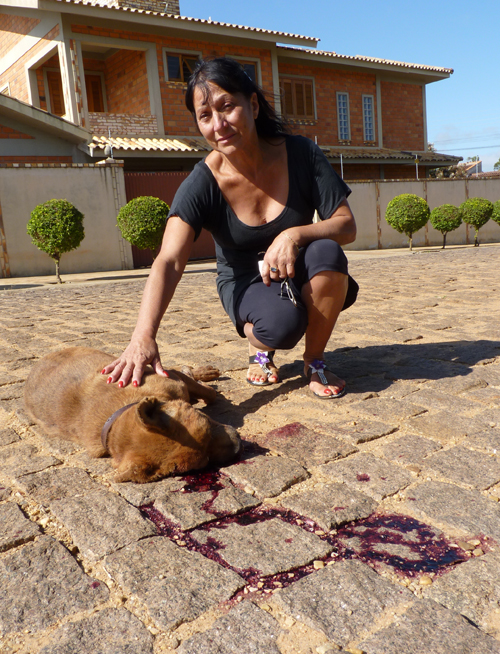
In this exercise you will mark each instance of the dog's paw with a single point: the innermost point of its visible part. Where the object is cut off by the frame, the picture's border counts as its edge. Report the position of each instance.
(205, 373)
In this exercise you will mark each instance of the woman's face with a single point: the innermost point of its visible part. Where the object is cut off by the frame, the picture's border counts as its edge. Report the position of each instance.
(225, 120)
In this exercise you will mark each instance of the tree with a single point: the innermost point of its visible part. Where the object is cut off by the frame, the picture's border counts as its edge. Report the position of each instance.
(445, 218)
(476, 212)
(496, 166)
(496, 212)
(142, 222)
(407, 213)
(56, 227)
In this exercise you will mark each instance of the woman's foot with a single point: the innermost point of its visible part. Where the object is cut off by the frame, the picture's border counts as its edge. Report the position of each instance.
(261, 369)
(322, 382)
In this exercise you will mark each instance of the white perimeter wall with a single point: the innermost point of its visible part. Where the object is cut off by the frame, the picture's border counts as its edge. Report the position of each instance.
(97, 191)
(369, 201)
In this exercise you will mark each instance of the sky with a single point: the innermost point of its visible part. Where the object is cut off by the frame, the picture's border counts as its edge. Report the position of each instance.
(463, 112)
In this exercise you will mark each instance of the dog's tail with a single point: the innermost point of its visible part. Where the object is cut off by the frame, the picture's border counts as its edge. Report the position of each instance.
(203, 373)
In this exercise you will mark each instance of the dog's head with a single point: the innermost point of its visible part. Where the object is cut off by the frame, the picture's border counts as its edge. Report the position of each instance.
(154, 439)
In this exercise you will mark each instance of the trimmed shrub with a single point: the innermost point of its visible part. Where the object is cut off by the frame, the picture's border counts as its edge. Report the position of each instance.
(142, 222)
(476, 212)
(407, 213)
(496, 212)
(56, 227)
(445, 218)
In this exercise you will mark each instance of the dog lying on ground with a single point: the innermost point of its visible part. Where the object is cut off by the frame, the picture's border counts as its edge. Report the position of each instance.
(150, 431)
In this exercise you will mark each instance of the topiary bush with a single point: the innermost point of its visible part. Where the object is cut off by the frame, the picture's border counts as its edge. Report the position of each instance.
(445, 218)
(407, 213)
(476, 212)
(496, 212)
(56, 227)
(142, 222)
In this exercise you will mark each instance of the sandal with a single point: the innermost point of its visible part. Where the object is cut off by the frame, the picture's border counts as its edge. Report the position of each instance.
(262, 359)
(318, 366)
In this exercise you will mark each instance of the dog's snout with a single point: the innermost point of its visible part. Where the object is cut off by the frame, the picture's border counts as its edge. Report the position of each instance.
(225, 445)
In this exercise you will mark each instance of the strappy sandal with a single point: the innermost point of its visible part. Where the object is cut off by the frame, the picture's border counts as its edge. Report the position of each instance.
(318, 366)
(262, 359)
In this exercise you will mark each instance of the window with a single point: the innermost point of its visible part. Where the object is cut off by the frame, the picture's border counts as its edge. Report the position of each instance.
(95, 97)
(343, 116)
(5, 89)
(368, 126)
(297, 98)
(250, 69)
(180, 67)
(56, 96)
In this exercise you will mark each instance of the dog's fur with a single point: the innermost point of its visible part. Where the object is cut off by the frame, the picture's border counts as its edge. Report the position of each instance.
(161, 435)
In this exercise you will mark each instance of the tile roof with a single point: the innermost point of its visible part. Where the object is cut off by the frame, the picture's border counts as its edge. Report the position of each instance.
(388, 154)
(152, 144)
(361, 58)
(104, 4)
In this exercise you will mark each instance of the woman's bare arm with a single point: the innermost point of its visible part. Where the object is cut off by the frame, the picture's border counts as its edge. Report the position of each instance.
(282, 252)
(166, 272)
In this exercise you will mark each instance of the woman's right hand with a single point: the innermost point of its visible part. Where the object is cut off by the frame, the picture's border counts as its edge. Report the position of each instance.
(131, 365)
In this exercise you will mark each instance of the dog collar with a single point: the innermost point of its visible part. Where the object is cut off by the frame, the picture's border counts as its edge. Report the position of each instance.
(109, 423)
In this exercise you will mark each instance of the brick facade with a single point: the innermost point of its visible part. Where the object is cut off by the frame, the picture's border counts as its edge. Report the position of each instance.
(16, 74)
(122, 124)
(403, 116)
(10, 133)
(13, 29)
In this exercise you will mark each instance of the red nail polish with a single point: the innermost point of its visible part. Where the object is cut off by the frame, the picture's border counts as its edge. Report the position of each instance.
(134, 383)
(103, 372)
(108, 380)
(120, 384)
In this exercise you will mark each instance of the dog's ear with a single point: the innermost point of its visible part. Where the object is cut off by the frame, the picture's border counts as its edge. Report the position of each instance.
(150, 413)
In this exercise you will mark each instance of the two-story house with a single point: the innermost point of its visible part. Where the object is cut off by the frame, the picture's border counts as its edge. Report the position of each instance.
(118, 69)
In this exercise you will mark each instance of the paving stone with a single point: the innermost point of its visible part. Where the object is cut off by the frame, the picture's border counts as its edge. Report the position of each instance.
(22, 458)
(8, 436)
(110, 631)
(175, 585)
(57, 445)
(246, 628)
(455, 507)
(191, 510)
(428, 627)
(15, 529)
(465, 466)
(363, 431)
(5, 493)
(54, 588)
(489, 395)
(308, 447)
(446, 427)
(266, 476)
(487, 440)
(472, 589)
(384, 409)
(332, 505)
(341, 600)
(432, 398)
(491, 375)
(267, 547)
(458, 385)
(58, 483)
(142, 494)
(101, 522)
(369, 475)
(409, 450)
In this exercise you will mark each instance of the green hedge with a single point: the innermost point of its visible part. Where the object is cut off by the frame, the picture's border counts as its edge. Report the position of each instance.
(142, 222)
(445, 218)
(476, 212)
(407, 213)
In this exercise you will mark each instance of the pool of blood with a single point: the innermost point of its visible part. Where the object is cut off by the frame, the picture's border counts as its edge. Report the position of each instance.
(430, 552)
(378, 534)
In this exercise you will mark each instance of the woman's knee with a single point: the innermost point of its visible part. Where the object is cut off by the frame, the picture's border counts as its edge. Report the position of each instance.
(324, 250)
(281, 334)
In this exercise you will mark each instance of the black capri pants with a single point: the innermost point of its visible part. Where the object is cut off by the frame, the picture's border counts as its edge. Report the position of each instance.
(276, 321)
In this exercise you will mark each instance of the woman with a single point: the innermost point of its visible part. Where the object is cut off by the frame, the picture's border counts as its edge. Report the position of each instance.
(256, 192)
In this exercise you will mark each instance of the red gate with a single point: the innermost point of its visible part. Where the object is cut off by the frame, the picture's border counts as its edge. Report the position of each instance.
(163, 185)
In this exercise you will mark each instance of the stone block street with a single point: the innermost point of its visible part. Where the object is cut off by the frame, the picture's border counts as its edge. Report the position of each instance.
(367, 524)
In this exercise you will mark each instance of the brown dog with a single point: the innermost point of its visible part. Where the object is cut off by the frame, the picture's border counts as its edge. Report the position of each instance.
(150, 431)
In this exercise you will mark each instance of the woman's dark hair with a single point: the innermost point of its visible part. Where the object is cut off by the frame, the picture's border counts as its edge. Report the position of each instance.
(231, 76)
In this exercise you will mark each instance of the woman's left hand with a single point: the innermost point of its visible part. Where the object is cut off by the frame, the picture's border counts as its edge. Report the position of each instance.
(279, 260)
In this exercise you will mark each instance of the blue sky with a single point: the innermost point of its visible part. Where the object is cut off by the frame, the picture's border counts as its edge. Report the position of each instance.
(463, 112)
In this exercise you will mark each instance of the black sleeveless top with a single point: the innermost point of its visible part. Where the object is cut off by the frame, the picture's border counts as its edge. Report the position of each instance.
(313, 185)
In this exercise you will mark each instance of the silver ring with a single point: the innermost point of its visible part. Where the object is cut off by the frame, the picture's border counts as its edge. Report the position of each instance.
(273, 269)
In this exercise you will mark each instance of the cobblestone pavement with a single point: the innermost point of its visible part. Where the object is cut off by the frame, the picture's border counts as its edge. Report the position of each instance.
(365, 524)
